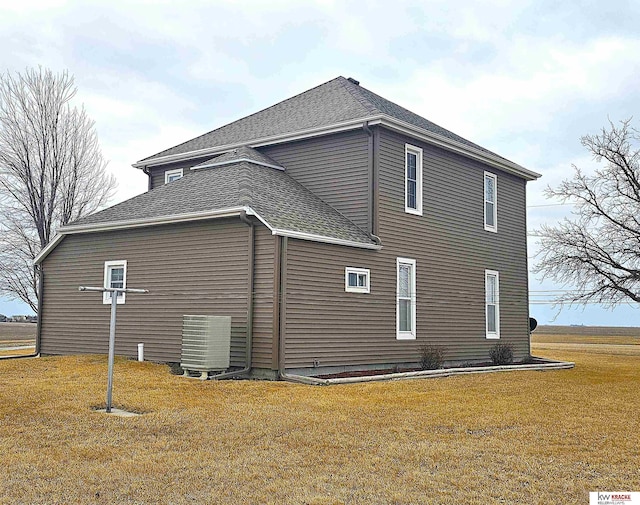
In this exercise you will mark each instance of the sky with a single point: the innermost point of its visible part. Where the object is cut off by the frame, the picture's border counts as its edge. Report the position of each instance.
(523, 79)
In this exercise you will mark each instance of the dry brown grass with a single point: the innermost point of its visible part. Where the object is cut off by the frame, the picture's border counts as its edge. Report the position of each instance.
(519, 437)
(538, 338)
(17, 352)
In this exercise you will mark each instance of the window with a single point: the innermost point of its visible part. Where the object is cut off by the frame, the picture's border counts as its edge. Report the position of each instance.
(413, 180)
(492, 303)
(406, 299)
(115, 276)
(356, 280)
(490, 202)
(172, 175)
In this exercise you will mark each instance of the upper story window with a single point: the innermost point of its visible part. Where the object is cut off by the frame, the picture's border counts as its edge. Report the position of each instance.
(173, 175)
(406, 299)
(356, 280)
(413, 180)
(492, 302)
(490, 202)
(115, 276)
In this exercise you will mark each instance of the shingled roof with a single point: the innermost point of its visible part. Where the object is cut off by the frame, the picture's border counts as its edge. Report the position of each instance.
(331, 103)
(282, 203)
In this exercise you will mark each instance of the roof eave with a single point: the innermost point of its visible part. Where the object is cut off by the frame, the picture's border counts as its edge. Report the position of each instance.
(381, 119)
(352, 124)
(180, 218)
(452, 145)
(134, 223)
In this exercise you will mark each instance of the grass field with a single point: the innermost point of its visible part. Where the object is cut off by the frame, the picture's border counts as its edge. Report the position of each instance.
(17, 331)
(518, 437)
(17, 335)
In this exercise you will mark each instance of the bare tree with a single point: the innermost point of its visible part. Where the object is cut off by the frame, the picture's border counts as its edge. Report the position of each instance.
(51, 171)
(597, 251)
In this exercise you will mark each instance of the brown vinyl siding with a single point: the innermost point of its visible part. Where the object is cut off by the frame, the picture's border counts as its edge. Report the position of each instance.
(264, 248)
(334, 167)
(189, 268)
(452, 248)
(326, 323)
(452, 251)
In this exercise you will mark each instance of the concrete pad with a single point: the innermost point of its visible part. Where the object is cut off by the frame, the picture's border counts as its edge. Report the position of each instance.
(119, 412)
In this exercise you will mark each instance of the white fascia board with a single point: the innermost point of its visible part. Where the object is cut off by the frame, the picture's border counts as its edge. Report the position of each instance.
(452, 145)
(264, 141)
(48, 248)
(239, 160)
(153, 221)
(310, 236)
(324, 240)
(181, 218)
(134, 223)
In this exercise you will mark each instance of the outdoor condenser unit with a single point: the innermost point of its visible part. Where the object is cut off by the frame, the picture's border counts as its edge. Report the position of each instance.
(206, 343)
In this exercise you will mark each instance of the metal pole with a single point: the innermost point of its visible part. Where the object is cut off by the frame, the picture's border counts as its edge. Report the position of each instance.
(112, 346)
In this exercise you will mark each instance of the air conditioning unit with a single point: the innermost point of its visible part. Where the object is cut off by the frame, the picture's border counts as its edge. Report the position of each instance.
(206, 344)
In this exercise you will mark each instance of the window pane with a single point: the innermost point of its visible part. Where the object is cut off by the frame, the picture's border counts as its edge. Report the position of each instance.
(404, 274)
(117, 277)
(411, 194)
(491, 289)
(489, 214)
(411, 166)
(362, 280)
(491, 318)
(405, 315)
(353, 279)
(489, 189)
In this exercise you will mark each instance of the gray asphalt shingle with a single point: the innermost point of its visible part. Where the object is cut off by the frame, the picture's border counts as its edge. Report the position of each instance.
(333, 102)
(280, 200)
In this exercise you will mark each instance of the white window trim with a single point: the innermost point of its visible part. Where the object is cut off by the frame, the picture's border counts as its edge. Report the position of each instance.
(406, 335)
(408, 148)
(169, 173)
(487, 227)
(493, 334)
(106, 296)
(357, 271)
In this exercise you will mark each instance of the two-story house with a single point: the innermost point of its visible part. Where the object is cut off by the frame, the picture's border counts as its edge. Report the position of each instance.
(337, 229)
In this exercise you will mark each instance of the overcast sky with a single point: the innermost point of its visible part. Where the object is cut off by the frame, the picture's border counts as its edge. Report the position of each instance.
(524, 79)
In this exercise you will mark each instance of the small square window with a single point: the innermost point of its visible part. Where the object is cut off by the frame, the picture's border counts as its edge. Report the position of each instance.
(115, 276)
(173, 175)
(356, 280)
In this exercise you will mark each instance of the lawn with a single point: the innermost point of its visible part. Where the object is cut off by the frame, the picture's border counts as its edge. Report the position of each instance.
(516, 437)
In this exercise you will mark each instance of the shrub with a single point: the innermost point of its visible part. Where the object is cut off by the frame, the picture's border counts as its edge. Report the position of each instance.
(431, 357)
(501, 354)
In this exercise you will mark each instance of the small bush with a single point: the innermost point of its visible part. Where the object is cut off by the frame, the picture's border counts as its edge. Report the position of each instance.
(431, 357)
(501, 354)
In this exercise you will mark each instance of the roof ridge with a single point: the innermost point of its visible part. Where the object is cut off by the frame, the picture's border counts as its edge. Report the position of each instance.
(245, 190)
(351, 88)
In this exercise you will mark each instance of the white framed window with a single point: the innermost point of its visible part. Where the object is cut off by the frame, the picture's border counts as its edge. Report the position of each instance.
(406, 299)
(490, 202)
(173, 175)
(356, 280)
(412, 179)
(115, 276)
(492, 303)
